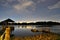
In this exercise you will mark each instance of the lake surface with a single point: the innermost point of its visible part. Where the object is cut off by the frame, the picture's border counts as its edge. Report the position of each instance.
(25, 30)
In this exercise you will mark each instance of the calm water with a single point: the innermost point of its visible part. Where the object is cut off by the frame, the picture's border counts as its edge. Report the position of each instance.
(25, 30)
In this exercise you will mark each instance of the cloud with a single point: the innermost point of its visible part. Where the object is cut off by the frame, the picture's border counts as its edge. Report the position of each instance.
(57, 5)
(23, 5)
(43, 0)
(27, 4)
(55, 17)
(16, 4)
(6, 3)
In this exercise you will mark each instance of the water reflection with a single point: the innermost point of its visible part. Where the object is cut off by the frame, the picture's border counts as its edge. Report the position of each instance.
(25, 30)
(27, 27)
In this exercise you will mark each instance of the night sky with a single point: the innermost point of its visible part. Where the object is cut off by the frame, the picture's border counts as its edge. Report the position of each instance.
(30, 10)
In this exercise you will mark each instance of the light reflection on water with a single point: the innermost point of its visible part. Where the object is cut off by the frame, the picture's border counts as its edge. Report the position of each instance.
(25, 30)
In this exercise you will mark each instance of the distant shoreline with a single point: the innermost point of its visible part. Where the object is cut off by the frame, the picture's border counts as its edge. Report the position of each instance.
(37, 23)
(11, 22)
